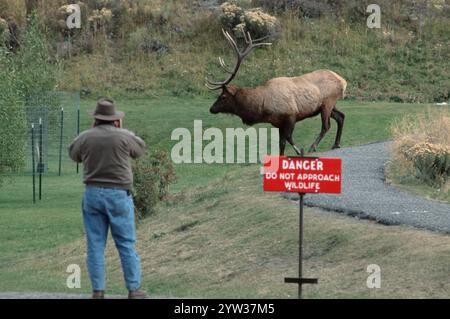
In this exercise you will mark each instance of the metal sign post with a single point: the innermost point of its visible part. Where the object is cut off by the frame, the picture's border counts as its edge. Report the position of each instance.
(299, 174)
(41, 162)
(300, 280)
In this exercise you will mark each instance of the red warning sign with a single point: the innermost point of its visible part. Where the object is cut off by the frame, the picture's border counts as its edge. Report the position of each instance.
(302, 174)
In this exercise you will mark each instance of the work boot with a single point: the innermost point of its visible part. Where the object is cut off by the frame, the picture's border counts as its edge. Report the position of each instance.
(137, 294)
(98, 294)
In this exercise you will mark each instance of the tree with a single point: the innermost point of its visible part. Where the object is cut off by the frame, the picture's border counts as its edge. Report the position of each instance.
(27, 77)
(12, 118)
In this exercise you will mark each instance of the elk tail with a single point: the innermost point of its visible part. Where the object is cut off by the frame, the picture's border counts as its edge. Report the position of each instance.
(344, 87)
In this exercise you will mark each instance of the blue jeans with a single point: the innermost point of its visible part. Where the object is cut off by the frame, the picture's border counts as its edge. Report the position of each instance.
(105, 208)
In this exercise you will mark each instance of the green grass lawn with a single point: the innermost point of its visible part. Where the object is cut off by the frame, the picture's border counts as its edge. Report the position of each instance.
(219, 235)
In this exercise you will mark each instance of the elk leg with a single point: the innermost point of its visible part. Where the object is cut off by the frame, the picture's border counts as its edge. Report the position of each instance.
(296, 149)
(323, 131)
(282, 141)
(287, 131)
(339, 117)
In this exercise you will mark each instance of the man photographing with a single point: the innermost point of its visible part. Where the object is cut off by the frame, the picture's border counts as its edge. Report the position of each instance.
(105, 151)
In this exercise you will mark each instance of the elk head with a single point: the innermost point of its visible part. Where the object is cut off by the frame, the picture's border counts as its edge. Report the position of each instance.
(227, 100)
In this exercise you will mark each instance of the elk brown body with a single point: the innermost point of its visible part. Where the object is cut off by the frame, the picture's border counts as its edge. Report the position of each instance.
(283, 101)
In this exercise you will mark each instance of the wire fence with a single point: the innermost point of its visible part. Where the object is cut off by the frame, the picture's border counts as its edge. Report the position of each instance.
(53, 121)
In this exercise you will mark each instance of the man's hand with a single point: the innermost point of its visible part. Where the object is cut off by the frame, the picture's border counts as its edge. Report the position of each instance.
(118, 123)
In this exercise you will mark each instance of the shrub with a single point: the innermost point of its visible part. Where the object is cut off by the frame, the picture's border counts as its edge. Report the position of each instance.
(255, 21)
(36, 74)
(13, 128)
(152, 176)
(422, 147)
(430, 161)
(259, 24)
(231, 15)
(27, 77)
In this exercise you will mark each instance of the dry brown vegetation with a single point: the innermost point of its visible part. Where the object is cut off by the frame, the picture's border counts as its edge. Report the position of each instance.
(421, 154)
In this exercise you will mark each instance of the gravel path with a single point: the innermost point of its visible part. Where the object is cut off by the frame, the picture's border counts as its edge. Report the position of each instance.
(365, 193)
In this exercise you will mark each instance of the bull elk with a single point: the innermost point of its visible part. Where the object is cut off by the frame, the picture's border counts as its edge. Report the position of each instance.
(281, 101)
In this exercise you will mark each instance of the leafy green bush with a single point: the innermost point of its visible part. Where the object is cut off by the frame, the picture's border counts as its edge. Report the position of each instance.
(28, 77)
(36, 73)
(152, 176)
(12, 118)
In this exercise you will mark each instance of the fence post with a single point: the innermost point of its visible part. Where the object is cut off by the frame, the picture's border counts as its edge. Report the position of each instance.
(61, 140)
(40, 165)
(33, 163)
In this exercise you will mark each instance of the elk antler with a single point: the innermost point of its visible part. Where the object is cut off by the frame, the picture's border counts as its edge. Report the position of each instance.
(212, 85)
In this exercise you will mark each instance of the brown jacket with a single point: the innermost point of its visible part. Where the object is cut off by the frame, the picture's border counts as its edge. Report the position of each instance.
(106, 151)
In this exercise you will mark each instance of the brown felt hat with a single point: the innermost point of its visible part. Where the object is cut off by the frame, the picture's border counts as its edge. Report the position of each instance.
(106, 111)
